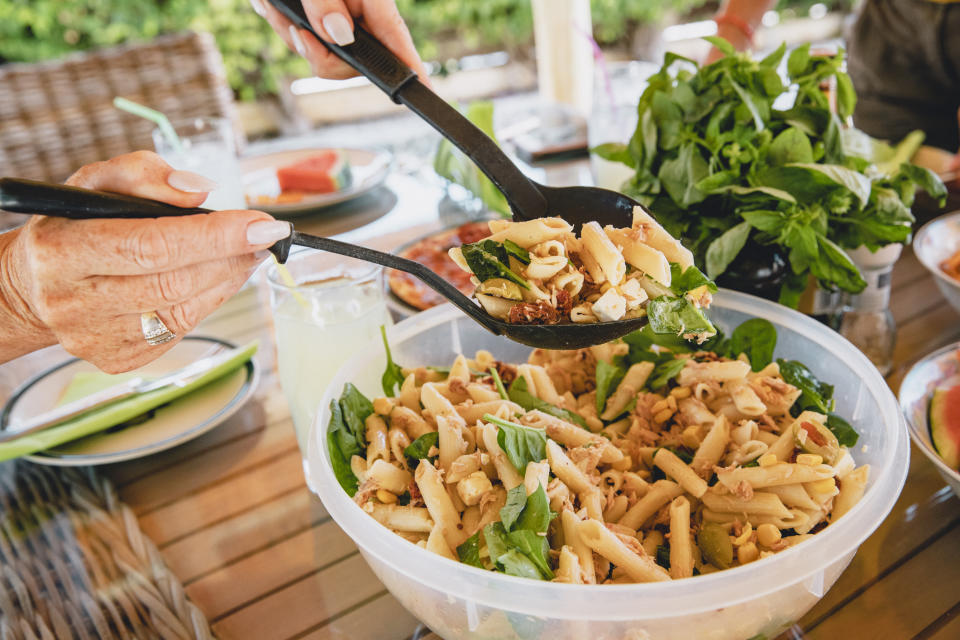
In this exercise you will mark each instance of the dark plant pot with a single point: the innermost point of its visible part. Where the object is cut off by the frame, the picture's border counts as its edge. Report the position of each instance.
(758, 269)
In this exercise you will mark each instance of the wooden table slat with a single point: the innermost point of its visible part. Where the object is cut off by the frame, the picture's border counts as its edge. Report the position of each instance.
(382, 618)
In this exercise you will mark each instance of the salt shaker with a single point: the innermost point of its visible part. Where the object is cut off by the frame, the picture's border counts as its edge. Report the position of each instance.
(867, 320)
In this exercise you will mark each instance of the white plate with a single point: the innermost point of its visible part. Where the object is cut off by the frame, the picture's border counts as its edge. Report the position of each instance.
(172, 424)
(368, 168)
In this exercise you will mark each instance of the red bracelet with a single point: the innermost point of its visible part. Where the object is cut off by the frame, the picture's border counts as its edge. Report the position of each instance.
(736, 21)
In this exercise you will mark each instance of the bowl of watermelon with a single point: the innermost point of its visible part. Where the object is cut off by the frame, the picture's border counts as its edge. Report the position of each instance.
(930, 398)
(300, 180)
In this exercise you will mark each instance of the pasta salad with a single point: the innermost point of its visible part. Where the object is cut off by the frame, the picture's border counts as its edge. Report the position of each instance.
(540, 272)
(646, 459)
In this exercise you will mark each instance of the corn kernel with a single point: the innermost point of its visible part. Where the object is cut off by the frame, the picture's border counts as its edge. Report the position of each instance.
(826, 485)
(680, 393)
(748, 553)
(383, 406)
(659, 406)
(385, 496)
(768, 534)
(809, 459)
(767, 460)
(663, 416)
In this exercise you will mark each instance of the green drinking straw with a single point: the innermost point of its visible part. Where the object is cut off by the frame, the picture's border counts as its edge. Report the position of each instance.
(154, 116)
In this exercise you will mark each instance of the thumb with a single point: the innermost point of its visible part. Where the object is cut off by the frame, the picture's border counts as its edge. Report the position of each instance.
(146, 175)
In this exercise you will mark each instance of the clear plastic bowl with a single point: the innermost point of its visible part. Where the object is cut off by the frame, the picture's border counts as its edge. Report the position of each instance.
(757, 600)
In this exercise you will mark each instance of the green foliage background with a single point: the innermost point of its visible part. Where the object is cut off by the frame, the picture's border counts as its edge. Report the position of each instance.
(257, 60)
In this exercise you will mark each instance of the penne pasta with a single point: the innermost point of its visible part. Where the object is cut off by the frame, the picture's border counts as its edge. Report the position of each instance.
(639, 567)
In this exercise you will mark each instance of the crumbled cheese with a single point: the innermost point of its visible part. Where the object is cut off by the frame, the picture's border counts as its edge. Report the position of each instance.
(610, 306)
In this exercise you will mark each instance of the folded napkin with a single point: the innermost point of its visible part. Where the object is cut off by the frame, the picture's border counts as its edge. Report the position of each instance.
(116, 413)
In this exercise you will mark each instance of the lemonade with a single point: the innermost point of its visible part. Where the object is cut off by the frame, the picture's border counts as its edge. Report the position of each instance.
(337, 314)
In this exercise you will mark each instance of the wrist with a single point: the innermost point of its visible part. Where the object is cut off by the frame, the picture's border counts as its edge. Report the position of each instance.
(21, 331)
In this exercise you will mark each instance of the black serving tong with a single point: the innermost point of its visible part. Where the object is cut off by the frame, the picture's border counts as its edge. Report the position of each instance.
(28, 196)
(527, 199)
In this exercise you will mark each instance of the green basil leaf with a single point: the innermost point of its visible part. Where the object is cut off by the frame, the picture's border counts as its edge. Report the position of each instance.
(535, 547)
(722, 45)
(393, 376)
(522, 444)
(815, 395)
(342, 445)
(926, 180)
(356, 408)
(615, 152)
(757, 338)
(798, 60)
(469, 551)
(846, 434)
(520, 394)
(790, 145)
(420, 448)
(722, 251)
(608, 377)
(846, 96)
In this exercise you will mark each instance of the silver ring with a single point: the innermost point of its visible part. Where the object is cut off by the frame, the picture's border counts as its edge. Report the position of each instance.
(154, 331)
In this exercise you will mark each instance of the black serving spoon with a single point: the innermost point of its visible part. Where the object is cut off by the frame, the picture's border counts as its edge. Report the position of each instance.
(527, 199)
(28, 196)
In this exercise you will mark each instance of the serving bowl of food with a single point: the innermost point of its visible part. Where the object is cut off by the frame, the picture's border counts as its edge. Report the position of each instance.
(769, 583)
(937, 245)
(930, 397)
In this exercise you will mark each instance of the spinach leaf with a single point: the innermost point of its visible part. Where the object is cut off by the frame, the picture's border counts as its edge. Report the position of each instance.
(516, 501)
(356, 408)
(846, 434)
(641, 340)
(663, 556)
(608, 377)
(516, 563)
(521, 395)
(420, 448)
(666, 371)
(678, 316)
(516, 251)
(521, 444)
(536, 514)
(495, 537)
(393, 376)
(342, 446)
(815, 395)
(684, 280)
(757, 338)
(488, 259)
(534, 547)
(469, 551)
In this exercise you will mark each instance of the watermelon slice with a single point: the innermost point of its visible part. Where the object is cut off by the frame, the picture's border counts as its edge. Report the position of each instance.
(945, 424)
(324, 172)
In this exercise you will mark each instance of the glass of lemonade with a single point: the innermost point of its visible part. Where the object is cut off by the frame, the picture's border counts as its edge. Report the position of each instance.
(334, 311)
(208, 148)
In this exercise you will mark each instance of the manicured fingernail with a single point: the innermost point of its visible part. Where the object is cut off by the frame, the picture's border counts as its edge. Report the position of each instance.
(297, 41)
(267, 231)
(258, 7)
(190, 182)
(338, 28)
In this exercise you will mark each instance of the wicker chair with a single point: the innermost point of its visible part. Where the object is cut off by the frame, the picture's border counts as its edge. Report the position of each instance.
(56, 116)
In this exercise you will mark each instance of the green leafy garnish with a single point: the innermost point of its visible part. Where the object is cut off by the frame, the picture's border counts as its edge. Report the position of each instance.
(342, 446)
(843, 430)
(521, 511)
(684, 280)
(665, 371)
(516, 251)
(663, 556)
(393, 376)
(757, 338)
(419, 449)
(815, 395)
(522, 444)
(608, 377)
(678, 316)
(356, 408)
(488, 259)
(469, 551)
(520, 394)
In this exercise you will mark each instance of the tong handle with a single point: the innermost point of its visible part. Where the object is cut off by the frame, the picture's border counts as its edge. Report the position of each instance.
(366, 54)
(31, 196)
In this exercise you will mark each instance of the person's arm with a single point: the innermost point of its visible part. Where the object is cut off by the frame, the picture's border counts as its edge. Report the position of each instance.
(737, 20)
(86, 283)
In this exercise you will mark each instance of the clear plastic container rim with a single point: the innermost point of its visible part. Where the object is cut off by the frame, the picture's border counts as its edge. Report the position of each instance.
(628, 601)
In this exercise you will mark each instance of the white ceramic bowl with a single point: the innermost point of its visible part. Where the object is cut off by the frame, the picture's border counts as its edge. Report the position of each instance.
(935, 242)
(764, 597)
(942, 367)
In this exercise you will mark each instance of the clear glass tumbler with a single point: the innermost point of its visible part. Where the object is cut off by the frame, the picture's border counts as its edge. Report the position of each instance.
(334, 311)
(208, 147)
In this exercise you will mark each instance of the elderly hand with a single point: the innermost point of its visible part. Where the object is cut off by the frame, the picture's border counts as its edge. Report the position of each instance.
(333, 20)
(85, 283)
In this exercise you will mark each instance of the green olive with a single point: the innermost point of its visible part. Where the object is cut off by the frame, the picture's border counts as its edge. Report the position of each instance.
(813, 437)
(715, 545)
(501, 288)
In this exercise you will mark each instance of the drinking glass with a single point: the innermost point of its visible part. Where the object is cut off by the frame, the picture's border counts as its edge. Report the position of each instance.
(208, 148)
(334, 311)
